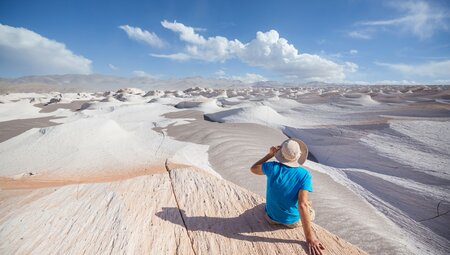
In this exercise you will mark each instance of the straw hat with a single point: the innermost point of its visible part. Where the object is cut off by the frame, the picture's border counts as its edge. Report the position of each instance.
(293, 152)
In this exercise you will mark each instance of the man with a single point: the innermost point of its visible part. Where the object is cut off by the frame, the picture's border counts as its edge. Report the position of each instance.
(288, 184)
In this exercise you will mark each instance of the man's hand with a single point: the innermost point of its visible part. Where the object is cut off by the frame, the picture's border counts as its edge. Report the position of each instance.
(315, 247)
(273, 150)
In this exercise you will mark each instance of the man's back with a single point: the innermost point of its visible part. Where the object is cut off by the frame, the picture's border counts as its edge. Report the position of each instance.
(283, 184)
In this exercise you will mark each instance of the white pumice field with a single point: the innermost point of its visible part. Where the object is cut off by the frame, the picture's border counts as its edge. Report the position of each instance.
(137, 171)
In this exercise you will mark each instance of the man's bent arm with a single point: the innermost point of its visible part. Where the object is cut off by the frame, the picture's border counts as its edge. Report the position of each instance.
(257, 167)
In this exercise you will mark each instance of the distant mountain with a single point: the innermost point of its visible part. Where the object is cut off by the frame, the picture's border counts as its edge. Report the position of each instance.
(99, 82)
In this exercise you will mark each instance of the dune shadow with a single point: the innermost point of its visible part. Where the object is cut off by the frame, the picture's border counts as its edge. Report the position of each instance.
(242, 227)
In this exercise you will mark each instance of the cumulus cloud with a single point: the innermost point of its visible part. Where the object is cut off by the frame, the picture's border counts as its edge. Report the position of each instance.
(419, 18)
(353, 52)
(27, 52)
(210, 49)
(137, 34)
(200, 29)
(433, 69)
(268, 50)
(187, 34)
(247, 78)
(271, 52)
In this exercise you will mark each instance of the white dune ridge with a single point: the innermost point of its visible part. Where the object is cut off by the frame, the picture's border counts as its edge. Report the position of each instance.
(205, 105)
(412, 154)
(260, 114)
(120, 133)
(109, 141)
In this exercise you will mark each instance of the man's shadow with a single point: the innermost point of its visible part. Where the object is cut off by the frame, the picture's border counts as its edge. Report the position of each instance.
(250, 221)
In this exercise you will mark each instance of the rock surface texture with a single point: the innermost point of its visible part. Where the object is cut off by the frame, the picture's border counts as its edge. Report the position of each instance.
(181, 211)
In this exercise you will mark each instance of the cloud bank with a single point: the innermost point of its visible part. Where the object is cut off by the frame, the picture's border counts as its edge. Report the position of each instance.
(268, 50)
(27, 52)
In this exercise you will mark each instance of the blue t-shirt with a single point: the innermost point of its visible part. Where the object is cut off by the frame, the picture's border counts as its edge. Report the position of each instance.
(283, 185)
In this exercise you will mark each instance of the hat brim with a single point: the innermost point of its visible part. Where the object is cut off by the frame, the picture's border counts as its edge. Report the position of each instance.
(300, 161)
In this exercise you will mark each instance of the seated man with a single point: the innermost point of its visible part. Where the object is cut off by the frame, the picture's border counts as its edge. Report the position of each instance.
(288, 184)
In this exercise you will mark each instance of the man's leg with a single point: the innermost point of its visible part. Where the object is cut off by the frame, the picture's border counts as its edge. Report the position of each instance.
(272, 222)
(294, 225)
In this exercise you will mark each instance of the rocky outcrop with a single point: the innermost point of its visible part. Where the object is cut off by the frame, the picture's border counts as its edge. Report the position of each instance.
(181, 211)
(223, 218)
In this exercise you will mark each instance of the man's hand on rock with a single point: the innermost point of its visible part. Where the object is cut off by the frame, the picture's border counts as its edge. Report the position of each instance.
(315, 247)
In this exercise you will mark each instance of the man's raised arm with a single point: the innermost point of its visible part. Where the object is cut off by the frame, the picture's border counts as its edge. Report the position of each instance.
(257, 167)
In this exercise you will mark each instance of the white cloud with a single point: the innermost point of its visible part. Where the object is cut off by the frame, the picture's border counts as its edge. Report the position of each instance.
(175, 56)
(353, 52)
(220, 73)
(212, 49)
(271, 52)
(351, 67)
(419, 18)
(361, 34)
(384, 82)
(268, 50)
(200, 29)
(27, 52)
(144, 36)
(442, 82)
(113, 67)
(247, 78)
(187, 34)
(140, 73)
(395, 82)
(433, 69)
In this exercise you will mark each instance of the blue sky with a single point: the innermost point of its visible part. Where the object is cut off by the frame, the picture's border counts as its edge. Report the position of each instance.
(333, 41)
